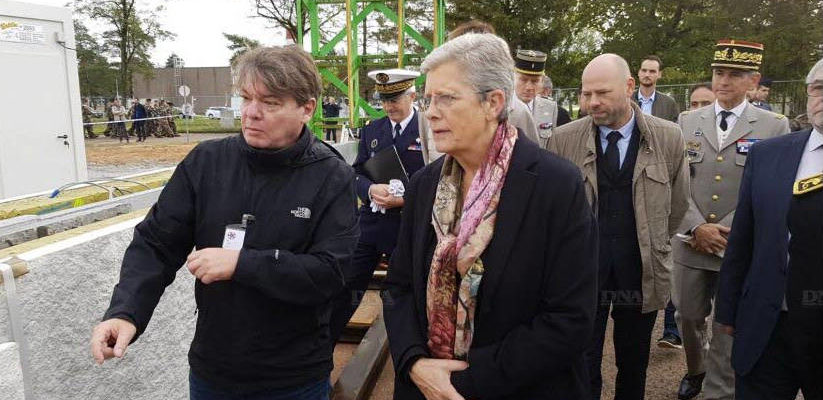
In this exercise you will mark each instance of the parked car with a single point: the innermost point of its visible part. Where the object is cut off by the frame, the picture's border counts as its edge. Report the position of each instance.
(214, 112)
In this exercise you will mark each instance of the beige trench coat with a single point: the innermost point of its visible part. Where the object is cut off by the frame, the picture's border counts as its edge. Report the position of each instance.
(660, 189)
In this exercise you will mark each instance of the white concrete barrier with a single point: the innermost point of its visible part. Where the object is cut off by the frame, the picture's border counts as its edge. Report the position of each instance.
(11, 377)
(65, 294)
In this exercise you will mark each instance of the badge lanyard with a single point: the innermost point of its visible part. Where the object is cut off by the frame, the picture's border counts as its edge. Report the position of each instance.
(235, 234)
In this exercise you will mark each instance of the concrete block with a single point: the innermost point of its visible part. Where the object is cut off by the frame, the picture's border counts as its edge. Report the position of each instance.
(11, 375)
(65, 294)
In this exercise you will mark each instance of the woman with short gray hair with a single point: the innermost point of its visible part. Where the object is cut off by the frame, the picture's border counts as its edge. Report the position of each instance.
(481, 301)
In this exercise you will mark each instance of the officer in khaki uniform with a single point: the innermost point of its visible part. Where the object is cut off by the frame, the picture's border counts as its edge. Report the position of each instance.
(718, 138)
(530, 66)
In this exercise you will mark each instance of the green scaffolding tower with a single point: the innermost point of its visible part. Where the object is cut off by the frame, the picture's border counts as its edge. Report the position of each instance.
(356, 13)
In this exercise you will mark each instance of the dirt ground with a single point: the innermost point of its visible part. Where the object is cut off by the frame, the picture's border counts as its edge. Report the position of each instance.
(107, 157)
(666, 368)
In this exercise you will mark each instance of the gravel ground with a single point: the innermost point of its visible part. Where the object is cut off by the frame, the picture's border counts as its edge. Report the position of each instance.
(107, 157)
(666, 368)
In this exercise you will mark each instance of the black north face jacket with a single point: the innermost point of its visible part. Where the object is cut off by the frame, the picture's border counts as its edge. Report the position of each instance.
(267, 327)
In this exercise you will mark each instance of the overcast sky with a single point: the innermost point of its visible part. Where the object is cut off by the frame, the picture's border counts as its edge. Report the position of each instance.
(199, 25)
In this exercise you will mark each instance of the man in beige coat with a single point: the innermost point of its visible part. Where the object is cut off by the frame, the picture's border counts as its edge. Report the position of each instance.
(717, 137)
(637, 181)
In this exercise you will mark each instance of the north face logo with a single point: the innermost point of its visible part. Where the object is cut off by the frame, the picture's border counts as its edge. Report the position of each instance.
(301, 212)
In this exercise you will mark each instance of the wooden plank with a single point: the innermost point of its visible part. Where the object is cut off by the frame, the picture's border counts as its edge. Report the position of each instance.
(357, 380)
(367, 312)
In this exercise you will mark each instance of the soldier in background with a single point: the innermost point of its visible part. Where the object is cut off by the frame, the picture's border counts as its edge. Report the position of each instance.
(529, 66)
(130, 115)
(151, 124)
(163, 129)
(761, 95)
(563, 116)
(87, 114)
(171, 113)
(109, 118)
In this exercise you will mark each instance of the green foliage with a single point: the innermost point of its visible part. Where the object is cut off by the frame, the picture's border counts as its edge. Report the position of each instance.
(239, 45)
(681, 32)
(172, 58)
(130, 36)
(97, 78)
(555, 27)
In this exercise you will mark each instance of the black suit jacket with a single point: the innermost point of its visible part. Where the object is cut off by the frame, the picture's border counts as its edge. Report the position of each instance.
(537, 299)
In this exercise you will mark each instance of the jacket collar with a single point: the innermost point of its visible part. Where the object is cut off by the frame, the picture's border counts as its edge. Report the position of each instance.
(268, 158)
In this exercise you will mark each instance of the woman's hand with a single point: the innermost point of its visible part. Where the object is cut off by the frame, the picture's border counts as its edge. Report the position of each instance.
(433, 378)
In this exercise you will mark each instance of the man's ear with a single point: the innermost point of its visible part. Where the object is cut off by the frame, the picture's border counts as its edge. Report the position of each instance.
(630, 87)
(308, 109)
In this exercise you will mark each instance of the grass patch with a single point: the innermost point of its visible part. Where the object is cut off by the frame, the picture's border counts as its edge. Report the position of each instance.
(197, 125)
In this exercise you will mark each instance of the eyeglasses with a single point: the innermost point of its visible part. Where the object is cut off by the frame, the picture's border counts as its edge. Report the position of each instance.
(814, 90)
(443, 101)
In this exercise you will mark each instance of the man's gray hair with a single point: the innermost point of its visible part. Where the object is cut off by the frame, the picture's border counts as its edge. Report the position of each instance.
(485, 60)
(816, 73)
(547, 82)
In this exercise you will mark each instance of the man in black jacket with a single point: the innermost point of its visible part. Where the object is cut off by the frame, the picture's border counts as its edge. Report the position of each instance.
(282, 204)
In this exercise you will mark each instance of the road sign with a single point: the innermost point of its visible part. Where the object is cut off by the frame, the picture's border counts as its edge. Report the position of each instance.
(184, 90)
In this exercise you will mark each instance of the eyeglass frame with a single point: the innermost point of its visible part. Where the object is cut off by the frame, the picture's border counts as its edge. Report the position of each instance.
(817, 86)
(428, 101)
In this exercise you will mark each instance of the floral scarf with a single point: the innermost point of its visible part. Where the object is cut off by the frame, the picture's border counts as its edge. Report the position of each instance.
(463, 232)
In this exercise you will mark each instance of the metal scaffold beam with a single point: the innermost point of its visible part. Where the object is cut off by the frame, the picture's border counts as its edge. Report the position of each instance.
(343, 71)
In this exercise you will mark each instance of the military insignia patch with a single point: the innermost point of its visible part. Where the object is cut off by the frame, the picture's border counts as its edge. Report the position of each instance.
(743, 145)
(545, 125)
(373, 143)
(809, 184)
(382, 77)
(698, 133)
(693, 145)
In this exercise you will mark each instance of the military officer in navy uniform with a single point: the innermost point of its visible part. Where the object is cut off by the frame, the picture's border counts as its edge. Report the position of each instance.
(399, 128)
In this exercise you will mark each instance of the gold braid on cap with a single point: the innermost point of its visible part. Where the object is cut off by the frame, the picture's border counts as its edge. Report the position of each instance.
(394, 87)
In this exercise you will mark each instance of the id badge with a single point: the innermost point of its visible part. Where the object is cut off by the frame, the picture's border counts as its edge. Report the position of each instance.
(234, 236)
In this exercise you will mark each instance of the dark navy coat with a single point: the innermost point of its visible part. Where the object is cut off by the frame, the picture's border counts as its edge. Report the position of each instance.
(377, 228)
(752, 281)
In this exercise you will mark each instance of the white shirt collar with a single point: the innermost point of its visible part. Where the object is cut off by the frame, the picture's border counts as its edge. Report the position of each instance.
(404, 123)
(644, 98)
(737, 111)
(815, 141)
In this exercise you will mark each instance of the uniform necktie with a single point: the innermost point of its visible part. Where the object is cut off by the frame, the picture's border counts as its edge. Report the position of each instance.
(396, 131)
(612, 152)
(723, 124)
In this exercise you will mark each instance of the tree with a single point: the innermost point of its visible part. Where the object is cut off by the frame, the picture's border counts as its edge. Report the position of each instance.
(548, 26)
(284, 14)
(239, 45)
(171, 60)
(132, 34)
(95, 73)
(683, 33)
